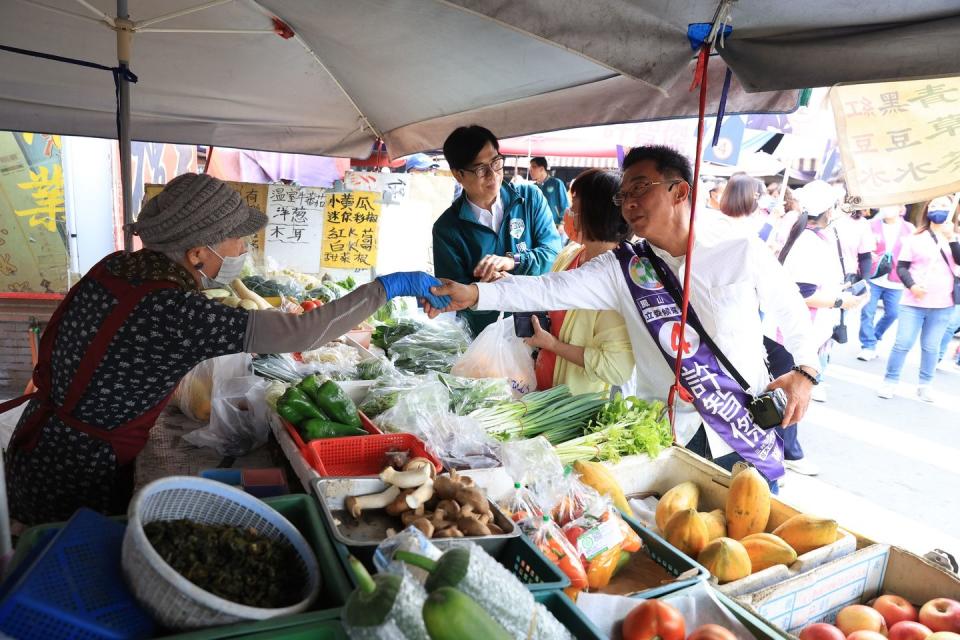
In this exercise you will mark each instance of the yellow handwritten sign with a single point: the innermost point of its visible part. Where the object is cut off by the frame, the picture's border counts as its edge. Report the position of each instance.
(351, 227)
(899, 141)
(46, 189)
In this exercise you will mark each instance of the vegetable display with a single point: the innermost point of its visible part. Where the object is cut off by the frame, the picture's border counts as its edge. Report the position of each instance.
(433, 347)
(555, 414)
(623, 426)
(235, 563)
(320, 410)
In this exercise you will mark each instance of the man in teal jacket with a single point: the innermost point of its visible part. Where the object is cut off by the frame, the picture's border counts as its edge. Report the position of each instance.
(552, 187)
(492, 229)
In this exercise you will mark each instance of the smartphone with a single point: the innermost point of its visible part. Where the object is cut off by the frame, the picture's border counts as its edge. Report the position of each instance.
(523, 325)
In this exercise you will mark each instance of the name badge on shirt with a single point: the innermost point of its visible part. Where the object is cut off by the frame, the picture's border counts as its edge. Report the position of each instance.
(517, 227)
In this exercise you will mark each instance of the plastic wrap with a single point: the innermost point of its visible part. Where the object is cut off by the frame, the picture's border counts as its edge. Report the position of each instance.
(336, 361)
(522, 508)
(469, 394)
(410, 539)
(405, 620)
(534, 463)
(505, 598)
(192, 396)
(599, 535)
(498, 353)
(386, 392)
(435, 346)
(239, 418)
(459, 441)
(552, 542)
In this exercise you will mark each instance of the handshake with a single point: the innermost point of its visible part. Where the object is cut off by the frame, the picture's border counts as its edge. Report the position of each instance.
(435, 296)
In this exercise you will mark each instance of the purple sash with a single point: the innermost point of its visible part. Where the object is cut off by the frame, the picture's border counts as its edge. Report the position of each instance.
(720, 401)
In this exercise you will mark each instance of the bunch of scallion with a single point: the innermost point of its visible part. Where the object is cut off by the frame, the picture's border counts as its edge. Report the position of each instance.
(625, 426)
(555, 414)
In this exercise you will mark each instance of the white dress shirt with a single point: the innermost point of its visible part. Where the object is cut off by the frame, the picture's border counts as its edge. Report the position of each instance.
(490, 218)
(731, 281)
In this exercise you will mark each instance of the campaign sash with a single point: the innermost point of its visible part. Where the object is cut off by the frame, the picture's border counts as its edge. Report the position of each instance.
(721, 402)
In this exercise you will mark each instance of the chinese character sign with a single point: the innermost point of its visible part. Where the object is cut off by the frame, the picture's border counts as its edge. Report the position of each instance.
(351, 229)
(295, 222)
(900, 141)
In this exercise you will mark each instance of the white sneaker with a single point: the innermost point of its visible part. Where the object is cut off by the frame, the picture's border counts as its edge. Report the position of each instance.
(819, 393)
(925, 394)
(867, 355)
(802, 466)
(886, 390)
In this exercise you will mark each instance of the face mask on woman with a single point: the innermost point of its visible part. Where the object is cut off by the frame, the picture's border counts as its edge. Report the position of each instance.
(937, 216)
(230, 270)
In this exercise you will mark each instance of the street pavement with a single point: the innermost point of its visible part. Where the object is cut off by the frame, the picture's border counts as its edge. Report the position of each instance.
(889, 469)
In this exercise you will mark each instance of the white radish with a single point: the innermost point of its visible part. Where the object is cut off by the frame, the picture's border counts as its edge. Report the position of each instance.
(356, 504)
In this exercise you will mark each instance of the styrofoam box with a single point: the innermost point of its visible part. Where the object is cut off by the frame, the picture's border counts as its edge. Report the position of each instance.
(305, 473)
(640, 474)
(818, 595)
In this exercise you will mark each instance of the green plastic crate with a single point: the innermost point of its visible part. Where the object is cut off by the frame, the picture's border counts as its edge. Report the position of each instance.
(668, 557)
(569, 615)
(301, 510)
(517, 554)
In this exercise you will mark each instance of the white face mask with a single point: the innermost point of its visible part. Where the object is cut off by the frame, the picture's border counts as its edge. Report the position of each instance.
(230, 270)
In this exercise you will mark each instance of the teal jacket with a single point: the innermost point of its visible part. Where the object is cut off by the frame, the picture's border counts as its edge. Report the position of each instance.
(527, 231)
(556, 194)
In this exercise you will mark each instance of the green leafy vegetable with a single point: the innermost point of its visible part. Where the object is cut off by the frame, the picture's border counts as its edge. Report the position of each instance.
(625, 426)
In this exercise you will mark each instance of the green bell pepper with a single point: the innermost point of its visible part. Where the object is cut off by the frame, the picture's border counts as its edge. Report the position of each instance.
(311, 386)
(317, 428)
(337, 404)
(295, 404)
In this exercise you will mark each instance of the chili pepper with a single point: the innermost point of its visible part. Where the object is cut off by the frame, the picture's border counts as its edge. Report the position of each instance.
(570, 564)
(601, 568)
(295, 399)
(288, 413)
(311, 386)
(335, 402)
(317, 428)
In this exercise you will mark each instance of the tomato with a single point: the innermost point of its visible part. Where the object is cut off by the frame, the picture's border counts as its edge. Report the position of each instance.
(711, 632)
(653, 619)
(308, 305)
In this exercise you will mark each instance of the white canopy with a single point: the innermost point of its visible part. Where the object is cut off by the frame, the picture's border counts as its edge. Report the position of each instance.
(410, 70)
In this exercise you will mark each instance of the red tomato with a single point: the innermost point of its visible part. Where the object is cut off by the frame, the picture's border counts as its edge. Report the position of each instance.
(711, 632)
(653, 619)
(308, 305)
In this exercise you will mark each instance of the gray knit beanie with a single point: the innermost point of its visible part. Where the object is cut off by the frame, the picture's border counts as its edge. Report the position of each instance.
(193, 211)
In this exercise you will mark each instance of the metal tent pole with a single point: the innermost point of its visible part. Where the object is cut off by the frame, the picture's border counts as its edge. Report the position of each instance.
(124, 29)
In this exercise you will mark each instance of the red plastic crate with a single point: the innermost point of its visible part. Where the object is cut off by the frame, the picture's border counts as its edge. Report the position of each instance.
(363, 455)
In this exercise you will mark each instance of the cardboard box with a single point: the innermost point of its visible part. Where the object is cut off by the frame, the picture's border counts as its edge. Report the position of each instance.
(640, 475)
(818, 595)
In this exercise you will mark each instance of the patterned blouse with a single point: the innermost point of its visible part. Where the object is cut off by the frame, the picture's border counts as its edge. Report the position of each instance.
(168, 333)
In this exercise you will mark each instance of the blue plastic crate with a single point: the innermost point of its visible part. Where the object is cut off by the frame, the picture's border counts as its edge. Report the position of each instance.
(74, 588)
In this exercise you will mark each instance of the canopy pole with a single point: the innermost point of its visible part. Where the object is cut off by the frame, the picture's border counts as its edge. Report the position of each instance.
(124, 29)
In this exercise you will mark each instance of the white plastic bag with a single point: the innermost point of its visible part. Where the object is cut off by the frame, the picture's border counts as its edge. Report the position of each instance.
(498, 353)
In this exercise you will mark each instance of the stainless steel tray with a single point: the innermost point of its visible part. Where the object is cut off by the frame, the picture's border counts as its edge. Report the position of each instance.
(371, 530)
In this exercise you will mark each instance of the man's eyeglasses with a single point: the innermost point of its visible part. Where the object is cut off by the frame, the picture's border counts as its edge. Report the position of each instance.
(622, 196)
(484, 170)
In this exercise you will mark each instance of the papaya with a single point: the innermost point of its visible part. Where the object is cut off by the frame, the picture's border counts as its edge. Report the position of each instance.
(748, 504)
(805, 533)
(716, 523)
(687, 531)
(726, 559)
(766, 550)
(683, 496)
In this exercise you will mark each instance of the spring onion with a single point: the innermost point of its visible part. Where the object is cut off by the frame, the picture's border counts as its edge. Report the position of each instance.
(555, 414)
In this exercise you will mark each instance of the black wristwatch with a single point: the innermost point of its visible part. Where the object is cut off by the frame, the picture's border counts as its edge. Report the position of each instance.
(838, 303)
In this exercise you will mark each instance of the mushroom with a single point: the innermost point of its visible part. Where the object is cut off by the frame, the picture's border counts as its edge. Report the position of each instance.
(399, 504)
(425, 526)
(446, 487)
(420, 495)
(494, 530)
(472, 527)
(449, 532)
(449, 506)
(356, 504)
(474, 498)
(421, 463)
(406, 479)
(408, 517)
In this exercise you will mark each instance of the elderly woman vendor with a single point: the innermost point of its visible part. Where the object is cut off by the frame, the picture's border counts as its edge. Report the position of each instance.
(129, 330)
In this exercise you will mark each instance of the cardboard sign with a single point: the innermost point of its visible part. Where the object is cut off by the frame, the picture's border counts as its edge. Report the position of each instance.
(294, 227)
(899, 141)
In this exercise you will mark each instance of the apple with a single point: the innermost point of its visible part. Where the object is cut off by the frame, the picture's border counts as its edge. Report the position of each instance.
(821, 631)
(894, 609)
(863, 634)
(909, 630)
(858, 617)
(941, 614)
